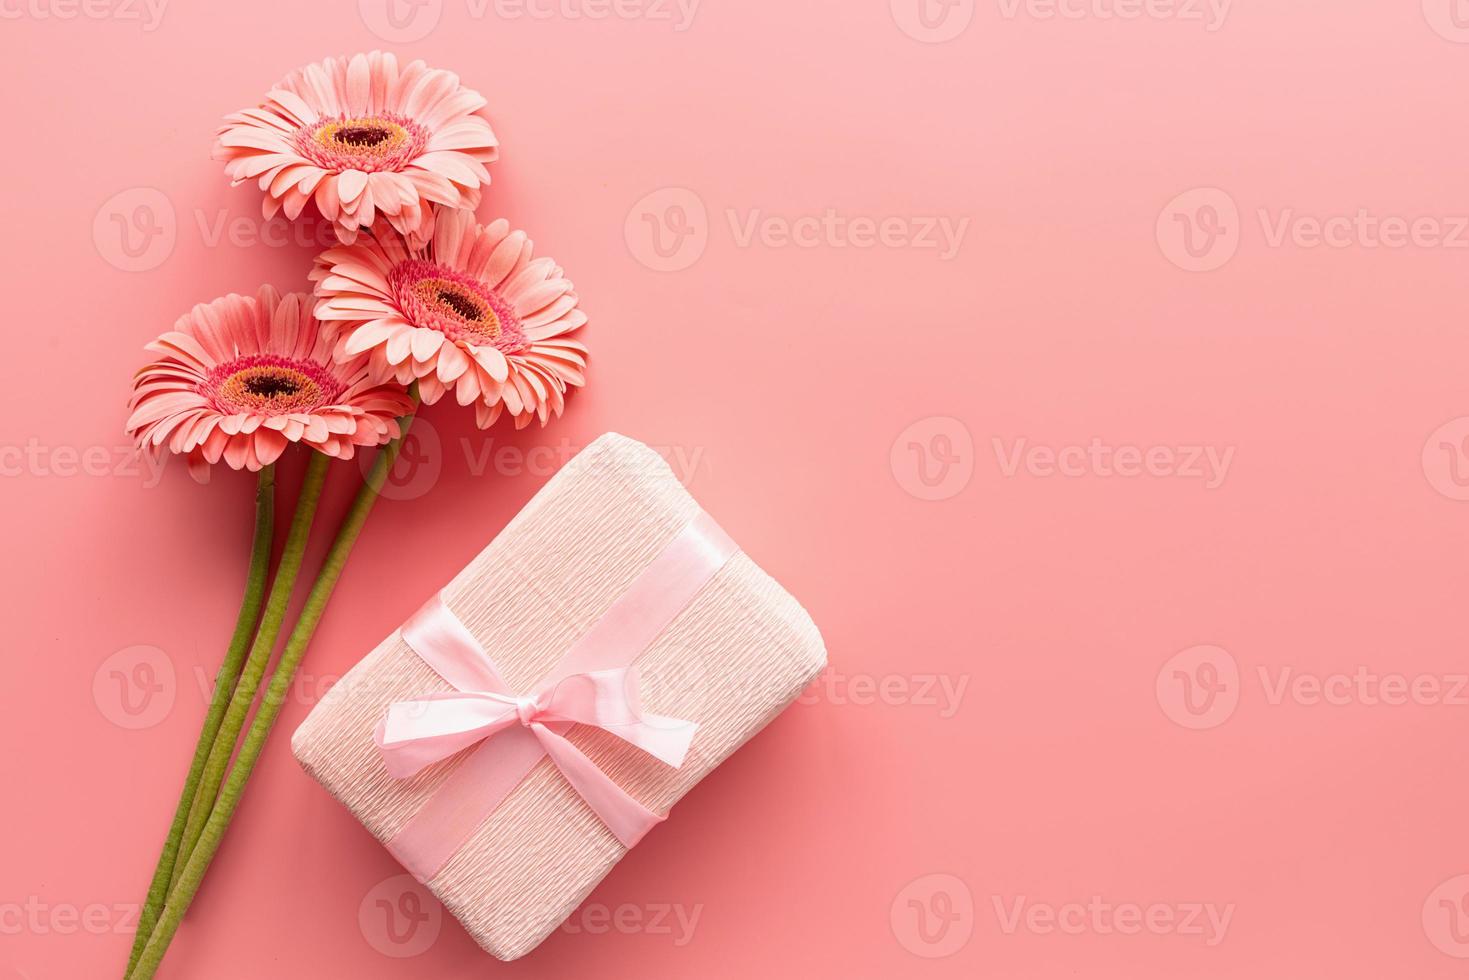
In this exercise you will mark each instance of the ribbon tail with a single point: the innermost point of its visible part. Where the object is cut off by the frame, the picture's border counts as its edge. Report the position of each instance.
(665, 739)
(628, 819)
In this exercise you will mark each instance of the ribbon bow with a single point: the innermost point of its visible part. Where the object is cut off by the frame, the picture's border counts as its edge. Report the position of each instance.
(594, 683)
(418, 733)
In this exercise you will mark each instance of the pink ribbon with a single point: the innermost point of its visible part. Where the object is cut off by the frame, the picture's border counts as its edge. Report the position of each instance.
(416, 734)
(595, 683)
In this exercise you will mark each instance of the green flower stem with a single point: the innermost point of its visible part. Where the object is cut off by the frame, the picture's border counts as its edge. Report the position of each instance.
(255, 664)
(182, 893)
(224, 685)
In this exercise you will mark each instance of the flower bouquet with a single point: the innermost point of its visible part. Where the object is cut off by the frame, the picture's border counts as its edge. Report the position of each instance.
(416, 300)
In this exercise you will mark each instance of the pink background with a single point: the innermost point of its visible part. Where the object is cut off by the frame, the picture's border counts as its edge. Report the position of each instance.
(882, 822)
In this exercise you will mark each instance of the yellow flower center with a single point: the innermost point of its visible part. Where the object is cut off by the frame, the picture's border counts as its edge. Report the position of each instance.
(384, 142)
(362, 135)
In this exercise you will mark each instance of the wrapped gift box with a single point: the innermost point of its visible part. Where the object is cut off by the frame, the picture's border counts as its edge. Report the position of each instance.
(732, 657)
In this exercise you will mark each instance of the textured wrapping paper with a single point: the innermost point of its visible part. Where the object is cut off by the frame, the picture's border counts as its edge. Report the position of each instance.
(731, 660)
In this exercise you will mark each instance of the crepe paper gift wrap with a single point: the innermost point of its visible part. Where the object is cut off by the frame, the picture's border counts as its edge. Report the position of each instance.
(524, 728)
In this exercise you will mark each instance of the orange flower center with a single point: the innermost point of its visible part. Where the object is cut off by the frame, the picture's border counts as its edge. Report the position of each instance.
(476, 317)
(457, 305)
(265, 384)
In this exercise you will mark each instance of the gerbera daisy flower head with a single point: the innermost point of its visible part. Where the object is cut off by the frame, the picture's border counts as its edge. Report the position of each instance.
(243, 377)
(473, 311)
(363, 139)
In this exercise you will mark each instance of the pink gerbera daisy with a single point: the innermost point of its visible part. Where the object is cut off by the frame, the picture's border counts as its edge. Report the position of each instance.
(363, 139)
(242, 377)
(471, 311)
